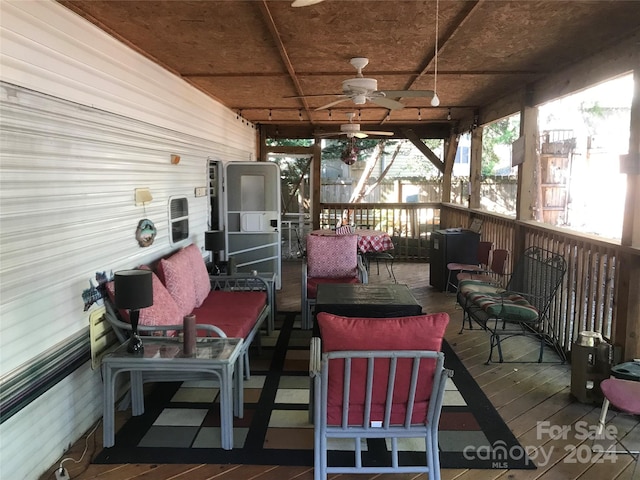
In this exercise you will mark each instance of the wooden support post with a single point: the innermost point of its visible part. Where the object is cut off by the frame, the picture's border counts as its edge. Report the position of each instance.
(475, 167)
(627, 315)
(262, 144)
(527, 187)
(449, 158)
(315, 185)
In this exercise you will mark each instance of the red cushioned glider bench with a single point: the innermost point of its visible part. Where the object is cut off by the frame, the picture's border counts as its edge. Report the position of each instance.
(233, 306)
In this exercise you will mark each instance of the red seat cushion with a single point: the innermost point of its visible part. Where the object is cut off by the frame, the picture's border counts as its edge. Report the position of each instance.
(623, 394)
(233, 312)
(422, 332)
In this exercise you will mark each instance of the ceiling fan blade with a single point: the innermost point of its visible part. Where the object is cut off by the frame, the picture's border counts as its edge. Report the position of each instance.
(305, 3)
(373, 132)
(333, 103)
(407, 93)
(360, 134)
(387, 103)
(328, 134)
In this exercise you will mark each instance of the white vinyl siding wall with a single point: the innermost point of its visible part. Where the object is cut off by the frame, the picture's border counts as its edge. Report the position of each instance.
(84, 121)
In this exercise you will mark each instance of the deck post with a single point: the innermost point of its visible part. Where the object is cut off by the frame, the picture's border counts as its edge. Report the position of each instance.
(475, 167)
(526, 188)
(449, 158)
(315, 185)
(627, 318)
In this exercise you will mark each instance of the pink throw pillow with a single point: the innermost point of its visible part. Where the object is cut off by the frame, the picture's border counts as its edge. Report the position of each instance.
(332, 256)
(164, 310)
(202, 285)
(178, 280)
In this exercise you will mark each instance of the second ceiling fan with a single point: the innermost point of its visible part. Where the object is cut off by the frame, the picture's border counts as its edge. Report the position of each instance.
(353, 130)
(361, 89)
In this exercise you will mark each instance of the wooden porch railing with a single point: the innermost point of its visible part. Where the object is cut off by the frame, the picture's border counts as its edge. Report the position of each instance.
(587, 298)
(588, 294)
(409, 224)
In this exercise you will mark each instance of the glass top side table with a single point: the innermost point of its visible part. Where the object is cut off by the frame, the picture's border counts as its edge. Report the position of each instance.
(163, 359)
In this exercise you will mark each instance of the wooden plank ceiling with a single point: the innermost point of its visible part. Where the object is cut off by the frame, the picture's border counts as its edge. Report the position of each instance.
(252, 55)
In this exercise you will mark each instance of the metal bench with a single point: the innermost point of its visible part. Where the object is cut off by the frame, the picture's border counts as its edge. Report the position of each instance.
(522, 308)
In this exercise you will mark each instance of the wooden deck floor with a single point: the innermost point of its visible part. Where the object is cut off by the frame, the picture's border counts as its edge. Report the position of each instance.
(525, 394)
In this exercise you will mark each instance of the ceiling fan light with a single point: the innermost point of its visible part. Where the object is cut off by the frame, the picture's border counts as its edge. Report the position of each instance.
(360, 99)
(435, 101)
(305, 3)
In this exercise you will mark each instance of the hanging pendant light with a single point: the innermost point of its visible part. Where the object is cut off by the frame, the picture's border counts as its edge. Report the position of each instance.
(435, 101)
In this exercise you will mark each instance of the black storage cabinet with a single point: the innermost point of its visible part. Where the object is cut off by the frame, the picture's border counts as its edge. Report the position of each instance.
(447, 246)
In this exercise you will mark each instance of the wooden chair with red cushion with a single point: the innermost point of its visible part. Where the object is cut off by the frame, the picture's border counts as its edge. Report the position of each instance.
(378, 378)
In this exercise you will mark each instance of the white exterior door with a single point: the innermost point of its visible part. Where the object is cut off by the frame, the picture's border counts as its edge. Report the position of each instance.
(252, 201)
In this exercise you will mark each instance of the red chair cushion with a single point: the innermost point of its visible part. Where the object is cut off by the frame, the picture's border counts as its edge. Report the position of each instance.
(422, 332)
(623, 394)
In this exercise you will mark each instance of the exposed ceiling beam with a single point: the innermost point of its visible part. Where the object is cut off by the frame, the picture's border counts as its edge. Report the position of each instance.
(277, 38)
(457, 24)
(371, 73)
(426, 151)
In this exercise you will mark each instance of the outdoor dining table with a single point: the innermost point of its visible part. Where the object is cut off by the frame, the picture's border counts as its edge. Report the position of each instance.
(368, 240)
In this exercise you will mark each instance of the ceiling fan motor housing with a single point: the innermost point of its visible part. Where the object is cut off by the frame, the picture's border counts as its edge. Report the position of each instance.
(359, 86)
(350, 127)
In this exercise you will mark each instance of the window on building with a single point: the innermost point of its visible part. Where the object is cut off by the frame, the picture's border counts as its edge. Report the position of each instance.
(178, 219)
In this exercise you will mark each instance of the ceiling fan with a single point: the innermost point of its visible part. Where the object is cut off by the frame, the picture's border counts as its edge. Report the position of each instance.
(361, 89)
(353, 130)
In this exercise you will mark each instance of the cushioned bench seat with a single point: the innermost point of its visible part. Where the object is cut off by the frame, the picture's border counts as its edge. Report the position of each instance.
(182, 287)
(522, 308)
(233, 312)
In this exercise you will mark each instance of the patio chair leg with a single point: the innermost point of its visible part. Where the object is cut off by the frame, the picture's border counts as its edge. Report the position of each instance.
(495, 342)
(541, 348)
(247, 369)
(390, 270)
(465, 317)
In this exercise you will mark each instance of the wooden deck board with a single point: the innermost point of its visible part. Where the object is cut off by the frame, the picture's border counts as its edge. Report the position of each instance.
(523, 393)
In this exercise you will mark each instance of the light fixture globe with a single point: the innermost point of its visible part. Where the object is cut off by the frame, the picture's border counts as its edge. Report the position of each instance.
(435, 101)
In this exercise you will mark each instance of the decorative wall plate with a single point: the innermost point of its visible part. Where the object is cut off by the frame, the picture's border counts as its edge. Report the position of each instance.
(146, 232)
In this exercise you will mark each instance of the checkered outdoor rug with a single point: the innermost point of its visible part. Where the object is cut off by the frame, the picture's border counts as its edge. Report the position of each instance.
(181, 421)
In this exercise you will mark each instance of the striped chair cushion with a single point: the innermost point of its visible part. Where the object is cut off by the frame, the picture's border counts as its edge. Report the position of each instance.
(506, 306)
(466, 287)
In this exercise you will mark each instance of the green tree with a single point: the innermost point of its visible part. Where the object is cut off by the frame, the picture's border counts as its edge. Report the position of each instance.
(502, 132)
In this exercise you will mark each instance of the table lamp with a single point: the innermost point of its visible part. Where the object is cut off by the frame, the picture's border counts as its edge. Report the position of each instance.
(133, 291)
